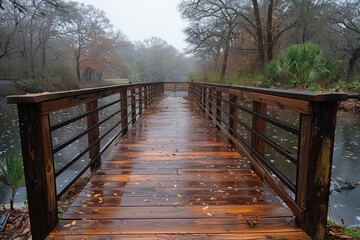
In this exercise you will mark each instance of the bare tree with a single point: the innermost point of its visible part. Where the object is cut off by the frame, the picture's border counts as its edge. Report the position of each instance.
(86, 26)
(347, 23)
(211, 21)
(24, 6)
(9, 26)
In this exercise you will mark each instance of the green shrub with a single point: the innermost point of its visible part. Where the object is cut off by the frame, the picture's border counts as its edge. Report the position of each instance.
(354, 86)
(300, 65)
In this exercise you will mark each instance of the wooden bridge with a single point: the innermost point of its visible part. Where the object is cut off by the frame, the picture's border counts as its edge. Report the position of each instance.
(178, 173)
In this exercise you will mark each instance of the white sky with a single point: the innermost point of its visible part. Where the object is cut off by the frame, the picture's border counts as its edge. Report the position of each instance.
(142, 19)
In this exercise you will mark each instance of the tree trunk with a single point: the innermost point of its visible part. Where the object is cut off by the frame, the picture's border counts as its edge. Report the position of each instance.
(78, 75)
(226, 55)
(31, 51)
(259, 35)
(355, 55)
(43, 59)
(270, 46)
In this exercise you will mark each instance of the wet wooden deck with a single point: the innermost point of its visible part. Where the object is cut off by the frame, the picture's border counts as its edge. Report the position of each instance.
(171, 177)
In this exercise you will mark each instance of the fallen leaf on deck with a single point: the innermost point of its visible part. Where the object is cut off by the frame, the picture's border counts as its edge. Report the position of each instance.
(252, 223)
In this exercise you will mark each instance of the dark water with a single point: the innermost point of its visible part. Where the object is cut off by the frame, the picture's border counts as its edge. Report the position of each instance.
(344, 205)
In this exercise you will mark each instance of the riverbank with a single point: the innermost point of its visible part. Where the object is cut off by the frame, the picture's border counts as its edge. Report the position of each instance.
(349, 107)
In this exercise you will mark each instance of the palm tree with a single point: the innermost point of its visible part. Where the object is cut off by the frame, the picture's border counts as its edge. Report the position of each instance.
(12, 174)
(302, 64)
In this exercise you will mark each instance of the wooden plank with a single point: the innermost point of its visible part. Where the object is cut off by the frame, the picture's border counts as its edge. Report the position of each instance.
(177, 212)
(235, 236)
(156, 200)
(296, 105)
(179, 226)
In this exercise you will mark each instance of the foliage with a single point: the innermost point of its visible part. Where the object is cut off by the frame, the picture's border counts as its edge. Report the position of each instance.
(353, 233)
(250, 80)
(212, 77)
(336, 231)
(300, 65)
(12, 174)
(354, 86)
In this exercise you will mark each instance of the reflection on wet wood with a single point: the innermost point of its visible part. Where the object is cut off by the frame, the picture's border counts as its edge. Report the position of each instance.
(171, 177)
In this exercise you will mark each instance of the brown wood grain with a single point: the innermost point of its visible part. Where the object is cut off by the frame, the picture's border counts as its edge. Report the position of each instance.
(172, 175)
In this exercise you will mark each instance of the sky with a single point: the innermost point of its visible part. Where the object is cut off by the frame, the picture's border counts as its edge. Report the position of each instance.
(143, 19)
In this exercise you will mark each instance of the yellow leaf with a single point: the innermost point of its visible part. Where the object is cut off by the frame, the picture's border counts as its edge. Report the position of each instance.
(73, 223)
(97, 195)
(179, 195)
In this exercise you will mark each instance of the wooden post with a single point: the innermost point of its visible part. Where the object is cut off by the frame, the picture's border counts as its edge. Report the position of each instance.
(232, 116)
(124, 111)
(39, 169)
(140, 89)
(314, 171)
(133, 107)
(218, 107)
(210, 105)
(259, 126)
(94, 134)
(150, 93)
(146, 96)
(204, 100)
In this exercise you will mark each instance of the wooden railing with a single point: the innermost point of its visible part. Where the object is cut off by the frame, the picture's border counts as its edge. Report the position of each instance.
(40, 148)
(249, 118)
(246, 116)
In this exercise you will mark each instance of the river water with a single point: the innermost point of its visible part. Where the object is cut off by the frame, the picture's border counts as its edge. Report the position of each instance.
(344, 206)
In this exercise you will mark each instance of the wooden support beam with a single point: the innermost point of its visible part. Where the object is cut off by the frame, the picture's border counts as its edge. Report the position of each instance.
(259, 126)
(140, 89)
(39, 169)
(218, 107)
(133, 107)
(124, 111)
(314, 174)
(94, 134)
(233, 111)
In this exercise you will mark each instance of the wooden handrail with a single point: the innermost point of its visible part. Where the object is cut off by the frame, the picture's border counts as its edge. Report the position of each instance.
(308, 195)
(37, 143)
